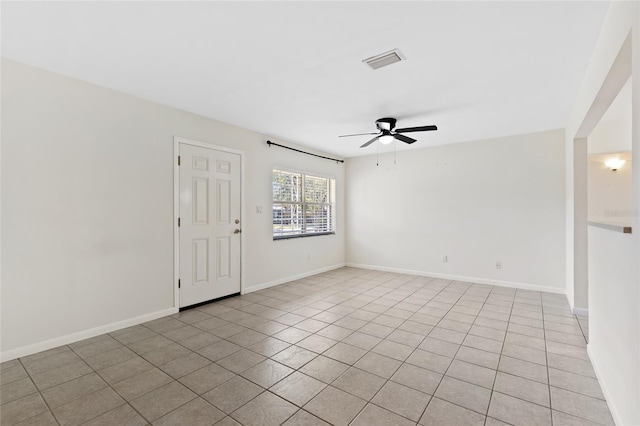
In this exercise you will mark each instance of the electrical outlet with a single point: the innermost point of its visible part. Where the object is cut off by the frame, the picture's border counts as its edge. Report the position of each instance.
(444, 259)
(498, 265)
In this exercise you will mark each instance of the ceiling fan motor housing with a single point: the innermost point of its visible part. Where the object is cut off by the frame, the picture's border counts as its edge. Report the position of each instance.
(386, 123)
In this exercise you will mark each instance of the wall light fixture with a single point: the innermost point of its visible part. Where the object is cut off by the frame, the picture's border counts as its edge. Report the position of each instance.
(614, 163)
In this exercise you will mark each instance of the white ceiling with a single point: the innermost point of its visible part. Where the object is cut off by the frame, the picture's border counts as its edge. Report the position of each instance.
(293, 69)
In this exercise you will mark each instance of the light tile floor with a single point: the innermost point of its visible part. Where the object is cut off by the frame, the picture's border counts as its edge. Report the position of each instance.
(349, 346)
(583, 321)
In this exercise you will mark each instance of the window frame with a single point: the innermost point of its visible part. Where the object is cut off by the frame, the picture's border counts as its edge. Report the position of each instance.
(303, 204)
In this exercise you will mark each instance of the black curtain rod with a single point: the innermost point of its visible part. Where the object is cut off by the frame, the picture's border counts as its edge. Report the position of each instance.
(304, 152)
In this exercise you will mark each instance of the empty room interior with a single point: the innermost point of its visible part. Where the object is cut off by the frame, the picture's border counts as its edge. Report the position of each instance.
(320, 213)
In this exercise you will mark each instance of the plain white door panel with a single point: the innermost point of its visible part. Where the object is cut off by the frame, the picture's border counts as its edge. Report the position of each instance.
(209, 228)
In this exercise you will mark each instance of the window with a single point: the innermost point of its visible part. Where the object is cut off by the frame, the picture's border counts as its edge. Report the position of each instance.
(303, 205)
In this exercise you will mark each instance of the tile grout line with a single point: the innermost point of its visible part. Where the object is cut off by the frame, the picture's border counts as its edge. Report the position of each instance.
(443, 374)
(353, 365)
(584, 335)
(484, 303)
(161, 334)
(108, 385)
(567, 390)
(548, 386)
(500, 357)
(126, 402)
(546, 359)
(512, 303)
(39, 393)
(362, 293)
(452, 358)
(401, 363)
(454, 355)
(291, 344)
(367, 402)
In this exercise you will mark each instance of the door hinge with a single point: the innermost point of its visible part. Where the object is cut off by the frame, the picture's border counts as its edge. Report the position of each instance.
(178, 160)
(178, 282)
(178, 222)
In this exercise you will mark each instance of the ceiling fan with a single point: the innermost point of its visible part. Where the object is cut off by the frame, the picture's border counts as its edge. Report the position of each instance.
(387, 134)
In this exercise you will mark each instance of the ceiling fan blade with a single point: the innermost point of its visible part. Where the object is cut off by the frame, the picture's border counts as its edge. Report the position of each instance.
(404, 138)
(357, 134)
(370, 142)
(417, 129)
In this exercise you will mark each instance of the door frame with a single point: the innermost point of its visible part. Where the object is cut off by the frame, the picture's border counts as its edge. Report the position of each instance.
(177, 140)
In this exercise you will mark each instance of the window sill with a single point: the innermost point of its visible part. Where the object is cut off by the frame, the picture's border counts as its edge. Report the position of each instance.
(289, 237)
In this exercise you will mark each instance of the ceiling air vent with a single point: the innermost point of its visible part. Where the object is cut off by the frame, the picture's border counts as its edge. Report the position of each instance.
(384, 59)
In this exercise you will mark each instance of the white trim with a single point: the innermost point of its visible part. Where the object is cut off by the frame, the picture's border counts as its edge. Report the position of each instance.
(570, 301)
(291, 278)
(81, 335)
(180, 139)
(177, 140)
(511, 284)
(176, 229)
(584, 312)
(289, 169)
(605, 389)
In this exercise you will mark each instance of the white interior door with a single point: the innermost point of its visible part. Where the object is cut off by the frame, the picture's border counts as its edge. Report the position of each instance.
(209, 224)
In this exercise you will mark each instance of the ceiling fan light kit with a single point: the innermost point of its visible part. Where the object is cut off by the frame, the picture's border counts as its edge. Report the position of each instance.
(386, 139)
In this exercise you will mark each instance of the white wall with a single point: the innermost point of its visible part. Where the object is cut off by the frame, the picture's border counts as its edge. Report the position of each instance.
(87, 208)
(578, 298)
(605, 76)
(477, 203)
(614, 316)
(614, 331)
(610, 192)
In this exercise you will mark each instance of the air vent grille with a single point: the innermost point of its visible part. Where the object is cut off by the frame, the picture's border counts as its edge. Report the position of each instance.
(384, 59)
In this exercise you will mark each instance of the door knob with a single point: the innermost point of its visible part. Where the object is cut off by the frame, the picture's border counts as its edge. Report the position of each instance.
(237, 231)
